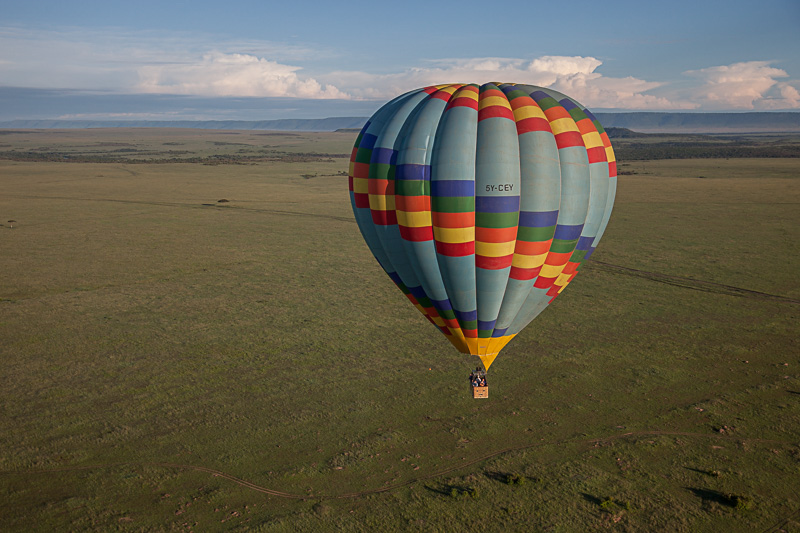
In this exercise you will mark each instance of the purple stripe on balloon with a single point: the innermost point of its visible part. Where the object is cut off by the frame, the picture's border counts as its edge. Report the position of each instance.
(499, 332)
(368, 141)
(589, 114)
(396, 278)
(418, 292)
(413, 172)
(567, 104)
(540, 219)
(466, 316)
(539, 95)
(496, 204)
(486, 324)
(451, 188)
(568, 233)
(384, 156)
(442, 305)
(584, 243)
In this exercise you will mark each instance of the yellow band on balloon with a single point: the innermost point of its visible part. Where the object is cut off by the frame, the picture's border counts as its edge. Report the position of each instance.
(494, 249)
(562, 279)
(414, 219)
(361, 185)
(551, 271)
(380, 202)
(592, 140)
(528, 111)
(610, 154)
(528, 261)
(494, 100)
(560, 125)
(488, 348)
(454, 235)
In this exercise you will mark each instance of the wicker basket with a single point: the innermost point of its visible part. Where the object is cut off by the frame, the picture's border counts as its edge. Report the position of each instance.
(480, 392)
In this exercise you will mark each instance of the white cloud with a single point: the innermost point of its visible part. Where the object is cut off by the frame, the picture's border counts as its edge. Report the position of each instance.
(572, 75)
(560, 67)
(111, 59)
(790, 97)
(218, 74)
(747, 85)
(205, 65)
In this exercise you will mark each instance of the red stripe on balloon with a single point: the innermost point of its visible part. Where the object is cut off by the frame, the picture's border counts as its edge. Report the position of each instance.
(384, 218)
(463, 101)
(532, 124)
(568, 139)
(455, 249)
(361, 170)
(470, 333)
(524, 273)
(444, 95)
(361, 199)
(544, 283)
(493, 263)
(596, 154)
(495, 111)
(423, 233)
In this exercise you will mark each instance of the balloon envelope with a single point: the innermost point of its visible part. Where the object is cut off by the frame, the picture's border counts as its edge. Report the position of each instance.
(481, 201)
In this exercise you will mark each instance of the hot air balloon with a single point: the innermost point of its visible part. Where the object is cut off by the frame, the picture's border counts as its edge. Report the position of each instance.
(481, 201)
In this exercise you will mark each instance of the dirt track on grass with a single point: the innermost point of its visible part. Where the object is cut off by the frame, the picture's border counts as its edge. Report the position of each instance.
(388, 488)
(689, 283)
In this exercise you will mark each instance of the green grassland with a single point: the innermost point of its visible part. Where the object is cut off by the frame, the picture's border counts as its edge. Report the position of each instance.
(175, 362)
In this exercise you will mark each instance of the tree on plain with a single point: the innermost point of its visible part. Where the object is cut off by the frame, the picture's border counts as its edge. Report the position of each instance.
(12, 223)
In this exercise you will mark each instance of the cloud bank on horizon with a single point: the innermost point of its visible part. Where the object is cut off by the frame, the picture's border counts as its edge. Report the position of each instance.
(138, 63)
(746, 85)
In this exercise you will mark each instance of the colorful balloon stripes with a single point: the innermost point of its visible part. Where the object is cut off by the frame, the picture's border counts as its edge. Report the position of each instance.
(481, 202)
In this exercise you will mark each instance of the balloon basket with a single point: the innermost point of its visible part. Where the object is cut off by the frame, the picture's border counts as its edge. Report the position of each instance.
(480, 392)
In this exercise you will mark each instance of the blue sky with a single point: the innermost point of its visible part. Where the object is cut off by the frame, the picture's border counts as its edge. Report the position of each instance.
(261, 60)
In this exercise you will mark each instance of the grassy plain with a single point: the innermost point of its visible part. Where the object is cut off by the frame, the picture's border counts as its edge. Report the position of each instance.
(174, 362)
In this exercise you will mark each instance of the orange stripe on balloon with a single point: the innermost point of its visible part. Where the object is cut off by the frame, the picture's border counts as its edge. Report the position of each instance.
(412, 203)
(586, 126)
(453, 220)
(381, 187)
(556, 112)
(532, 248)
(495, 234)
(557, 259)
